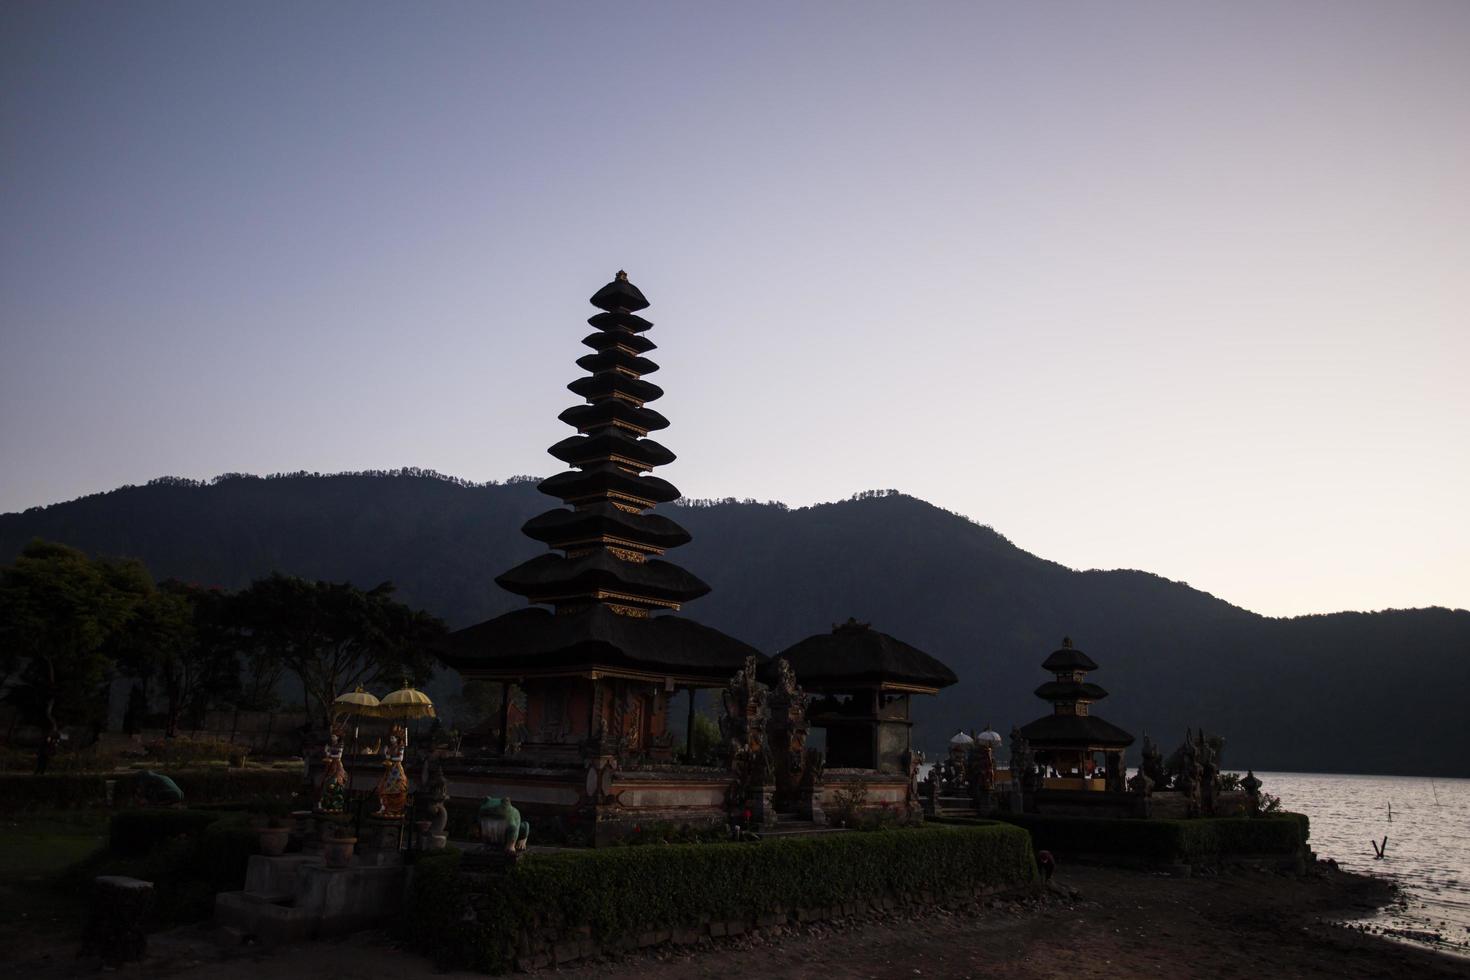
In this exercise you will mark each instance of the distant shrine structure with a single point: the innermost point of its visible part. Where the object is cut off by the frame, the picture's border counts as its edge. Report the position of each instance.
(1076, 749)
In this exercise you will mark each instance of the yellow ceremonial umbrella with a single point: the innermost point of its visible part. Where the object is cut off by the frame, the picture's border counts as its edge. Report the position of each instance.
(358, 702)
(406, 703)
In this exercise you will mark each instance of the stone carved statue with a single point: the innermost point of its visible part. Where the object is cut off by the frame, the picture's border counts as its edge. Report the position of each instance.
(1141, 784)
(438, 795)
(788, 701)
(1153, 763)
(912, 761)
(1024, 778)
(1252, 787)
(1209, 764)
(1190, 773)
(743, 733)
(746, 711)
(501, 826)
(980, 771)
(787, 728)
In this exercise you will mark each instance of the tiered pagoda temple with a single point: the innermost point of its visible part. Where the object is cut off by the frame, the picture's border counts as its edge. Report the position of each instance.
(1076, 749)
(600, 652)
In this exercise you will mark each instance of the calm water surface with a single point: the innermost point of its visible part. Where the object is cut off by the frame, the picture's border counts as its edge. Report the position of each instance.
(1428, 851)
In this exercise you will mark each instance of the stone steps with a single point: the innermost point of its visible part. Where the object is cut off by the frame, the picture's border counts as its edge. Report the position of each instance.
(797, 828)
(291, 898)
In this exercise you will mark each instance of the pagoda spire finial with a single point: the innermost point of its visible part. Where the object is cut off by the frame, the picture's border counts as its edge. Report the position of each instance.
(621, 276)
(1066, 643)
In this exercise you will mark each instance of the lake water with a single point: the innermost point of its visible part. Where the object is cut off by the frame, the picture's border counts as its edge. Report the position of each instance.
(1428, 852)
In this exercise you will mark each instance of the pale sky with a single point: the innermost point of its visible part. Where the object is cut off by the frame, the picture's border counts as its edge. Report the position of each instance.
(1172, 286)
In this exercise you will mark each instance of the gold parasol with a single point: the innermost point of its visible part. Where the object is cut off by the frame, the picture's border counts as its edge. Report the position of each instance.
(358, 702)
(406, 702)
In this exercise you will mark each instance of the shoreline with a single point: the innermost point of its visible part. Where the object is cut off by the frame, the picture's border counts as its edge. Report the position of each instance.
(1092, 923)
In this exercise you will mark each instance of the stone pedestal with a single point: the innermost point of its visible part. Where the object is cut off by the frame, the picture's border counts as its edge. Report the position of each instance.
(379, 842)
(114, 927)
(809, 803)
(304, 831)
(323, 827)
(295, 897)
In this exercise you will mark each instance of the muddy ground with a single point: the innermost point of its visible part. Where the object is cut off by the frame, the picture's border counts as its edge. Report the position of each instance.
(1093, 923)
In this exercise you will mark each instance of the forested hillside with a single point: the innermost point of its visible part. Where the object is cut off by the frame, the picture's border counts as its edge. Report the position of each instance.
(1365, 692)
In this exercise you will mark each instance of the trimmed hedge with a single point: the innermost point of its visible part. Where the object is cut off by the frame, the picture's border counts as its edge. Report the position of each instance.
(53, 791)
(134, 832)
(475, 920)
(63, 791)
(1202, 841)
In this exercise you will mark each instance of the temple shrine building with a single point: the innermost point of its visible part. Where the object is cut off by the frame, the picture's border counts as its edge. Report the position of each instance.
(602, 650)
(1076, 749)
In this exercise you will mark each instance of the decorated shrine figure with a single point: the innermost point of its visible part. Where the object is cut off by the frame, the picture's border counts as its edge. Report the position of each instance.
(392, 789)
(332, 797)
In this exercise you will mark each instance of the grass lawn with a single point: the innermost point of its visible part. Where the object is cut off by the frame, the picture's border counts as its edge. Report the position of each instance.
(35, 847)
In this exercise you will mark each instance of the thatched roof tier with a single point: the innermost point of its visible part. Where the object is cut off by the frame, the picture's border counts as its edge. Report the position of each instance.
(1070, 691)
(611, 341)
(599, 574)
(603, 480)
(854, 655)
(1074, 732)
(619, 321)
(620, 294)
(614, 411)
(1068, 658)
(606, 444)
(613, 359)
(560, 527)
(611, 384)
(535, 642)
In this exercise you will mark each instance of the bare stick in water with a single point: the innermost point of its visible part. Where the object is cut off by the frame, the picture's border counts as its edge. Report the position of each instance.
(1379, 849)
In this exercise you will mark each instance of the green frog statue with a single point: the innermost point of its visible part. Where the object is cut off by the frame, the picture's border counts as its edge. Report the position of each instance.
(501, 824)
(156, 789)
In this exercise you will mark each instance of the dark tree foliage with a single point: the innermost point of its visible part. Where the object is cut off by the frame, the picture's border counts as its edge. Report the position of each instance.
(334, 636)
(180, 639)
(59, 611)
(1367, 692)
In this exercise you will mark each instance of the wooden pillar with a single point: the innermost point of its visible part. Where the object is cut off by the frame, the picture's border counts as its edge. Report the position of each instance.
(689, 731)
(877, 727)
(504, 717)
(909, 729)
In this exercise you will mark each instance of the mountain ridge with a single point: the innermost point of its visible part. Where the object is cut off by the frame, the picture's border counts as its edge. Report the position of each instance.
(1317, 692)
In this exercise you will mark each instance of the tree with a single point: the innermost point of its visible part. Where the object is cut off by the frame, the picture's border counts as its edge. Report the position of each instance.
(58, 611)
(180, 637)
(334, 636)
